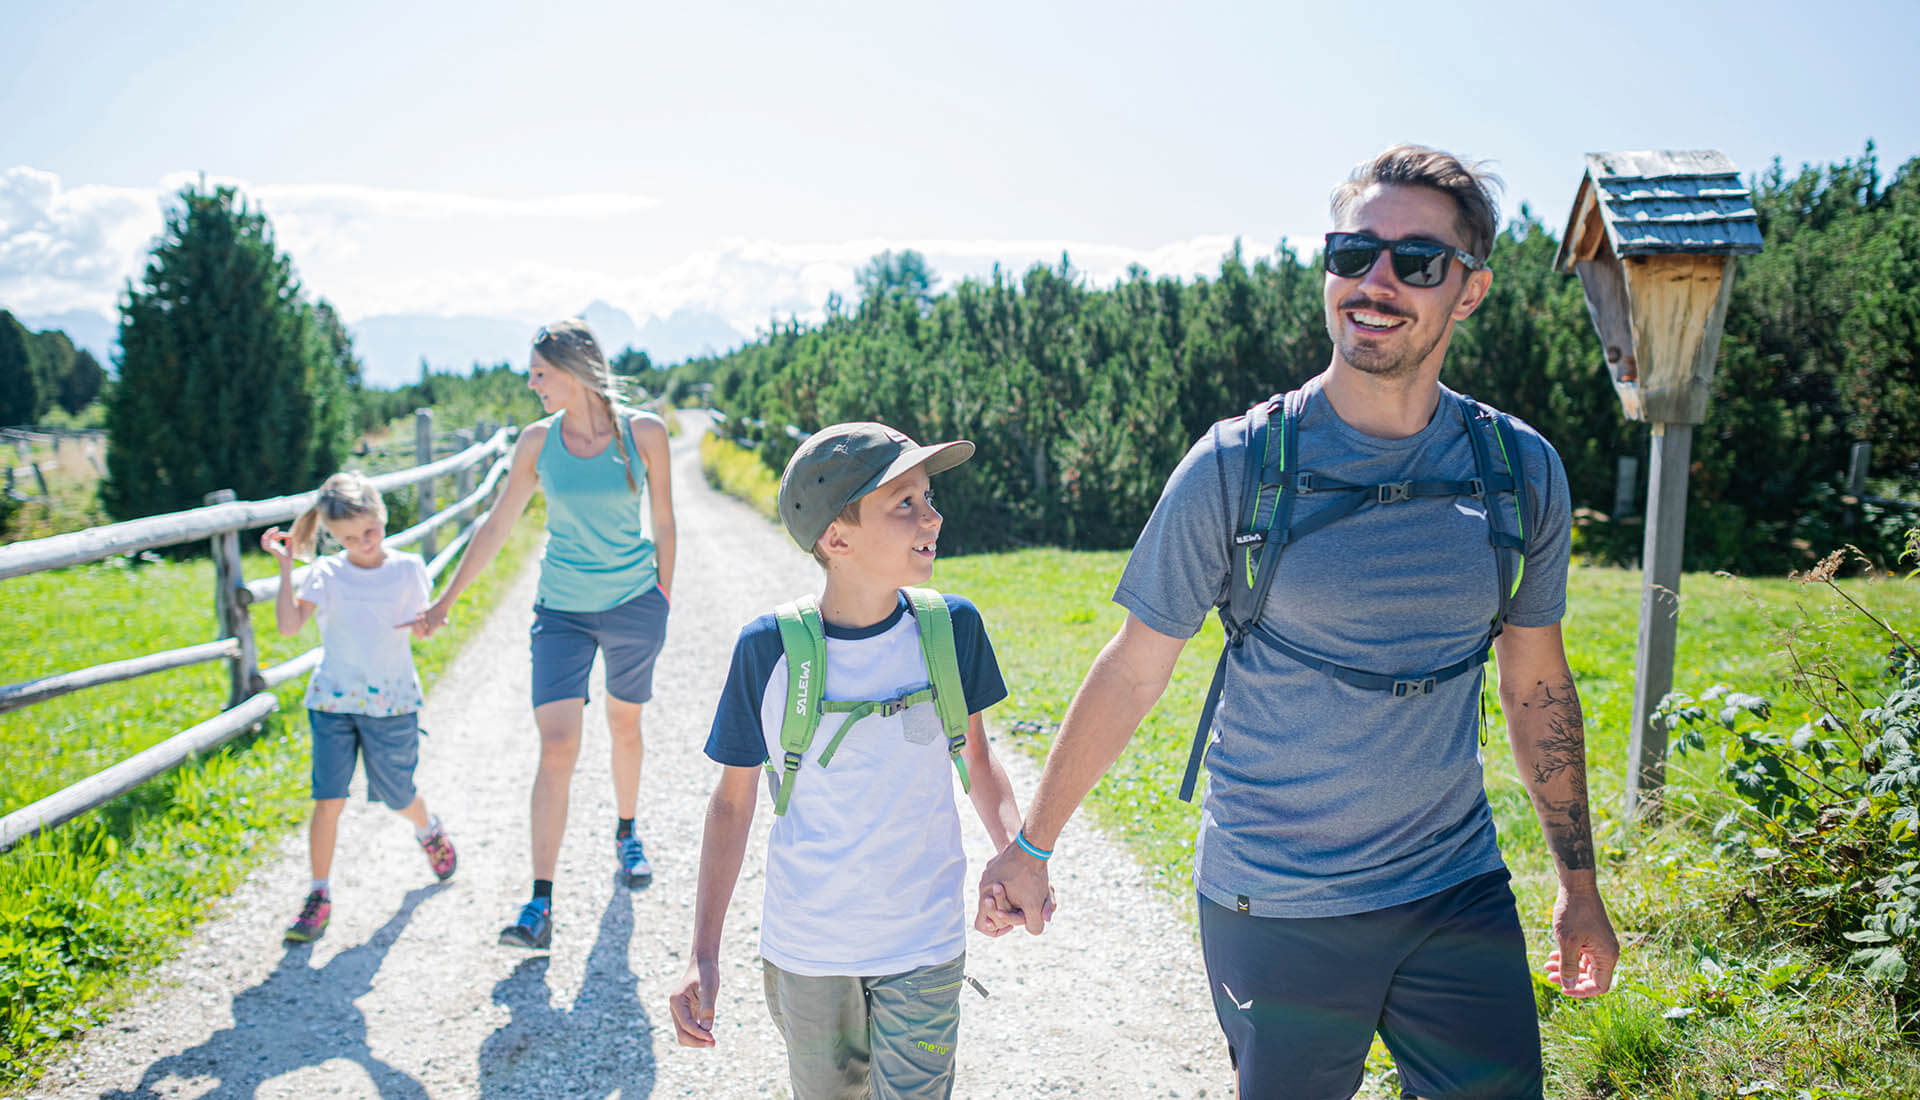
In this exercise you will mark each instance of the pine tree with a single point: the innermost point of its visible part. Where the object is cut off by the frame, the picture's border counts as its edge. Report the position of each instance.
(19, 387)
(227, 378)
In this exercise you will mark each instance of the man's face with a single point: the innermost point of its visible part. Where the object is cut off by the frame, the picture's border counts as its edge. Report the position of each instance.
(1380, 325)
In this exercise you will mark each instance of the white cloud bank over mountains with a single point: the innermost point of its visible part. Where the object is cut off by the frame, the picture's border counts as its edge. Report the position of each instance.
(377, 253)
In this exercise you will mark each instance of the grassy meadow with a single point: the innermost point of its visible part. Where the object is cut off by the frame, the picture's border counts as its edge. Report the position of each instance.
(89, 906)
(1704, 1004)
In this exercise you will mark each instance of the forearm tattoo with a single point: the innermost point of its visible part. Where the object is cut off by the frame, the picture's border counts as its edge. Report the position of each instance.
(1560, 749)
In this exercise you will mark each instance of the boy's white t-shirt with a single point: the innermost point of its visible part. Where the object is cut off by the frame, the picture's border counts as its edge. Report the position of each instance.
(865, 871)
(368, 665)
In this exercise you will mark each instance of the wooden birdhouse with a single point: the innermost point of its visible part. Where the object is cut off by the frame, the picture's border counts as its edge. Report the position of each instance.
(1652, 237)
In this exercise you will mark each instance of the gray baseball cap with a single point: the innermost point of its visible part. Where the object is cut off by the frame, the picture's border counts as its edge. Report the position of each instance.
(841, 463)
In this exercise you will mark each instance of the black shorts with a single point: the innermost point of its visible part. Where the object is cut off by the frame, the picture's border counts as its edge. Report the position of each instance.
(1443, 980)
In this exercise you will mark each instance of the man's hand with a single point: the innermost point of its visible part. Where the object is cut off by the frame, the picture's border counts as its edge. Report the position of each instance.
(692, 1004)
(432, 619)
(1582, 963)
(1014, 889)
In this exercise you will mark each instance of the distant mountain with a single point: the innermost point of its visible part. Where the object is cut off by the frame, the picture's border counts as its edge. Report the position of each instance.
(686, 333)
(611, 327)
(391, 345)
(95, 332)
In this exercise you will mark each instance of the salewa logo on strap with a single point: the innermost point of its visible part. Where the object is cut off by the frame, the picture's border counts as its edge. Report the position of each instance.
(800, 696)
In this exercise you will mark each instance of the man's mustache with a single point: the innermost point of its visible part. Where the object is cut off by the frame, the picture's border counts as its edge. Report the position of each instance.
(1372, 306)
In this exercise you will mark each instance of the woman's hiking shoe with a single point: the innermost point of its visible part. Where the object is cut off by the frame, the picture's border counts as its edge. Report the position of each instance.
(532, 929)
(311, 924)
(634, 868)
(439, 853)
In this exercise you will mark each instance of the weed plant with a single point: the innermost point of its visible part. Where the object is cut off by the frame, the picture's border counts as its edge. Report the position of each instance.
(87, 906)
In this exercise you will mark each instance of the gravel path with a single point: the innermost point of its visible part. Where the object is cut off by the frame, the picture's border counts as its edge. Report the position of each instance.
(407, 995)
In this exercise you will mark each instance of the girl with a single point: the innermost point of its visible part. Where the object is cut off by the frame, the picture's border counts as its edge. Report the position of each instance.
(603, 586)
(364, 698)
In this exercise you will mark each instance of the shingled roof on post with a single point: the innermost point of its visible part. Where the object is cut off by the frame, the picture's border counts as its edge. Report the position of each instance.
(1649, 203)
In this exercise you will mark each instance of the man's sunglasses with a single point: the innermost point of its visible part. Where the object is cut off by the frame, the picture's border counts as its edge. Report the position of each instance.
(1415, 262)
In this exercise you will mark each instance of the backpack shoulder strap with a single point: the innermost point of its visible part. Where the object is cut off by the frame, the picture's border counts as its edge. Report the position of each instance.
(1497, 472)
(942, 655)
(1266, 510)
(804, 639)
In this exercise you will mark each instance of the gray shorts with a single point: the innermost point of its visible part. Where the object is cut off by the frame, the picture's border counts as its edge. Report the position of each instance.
(564, 643)
(1444, 980)
(894, 1035)
(390, 746)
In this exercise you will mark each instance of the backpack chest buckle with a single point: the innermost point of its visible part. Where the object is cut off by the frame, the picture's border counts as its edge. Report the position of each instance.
(1393, 492)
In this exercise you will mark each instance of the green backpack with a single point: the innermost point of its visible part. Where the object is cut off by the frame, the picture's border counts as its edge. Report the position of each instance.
(805, 640)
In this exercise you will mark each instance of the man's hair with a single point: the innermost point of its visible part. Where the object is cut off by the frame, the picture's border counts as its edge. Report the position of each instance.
(1467, 183)
(850, 515)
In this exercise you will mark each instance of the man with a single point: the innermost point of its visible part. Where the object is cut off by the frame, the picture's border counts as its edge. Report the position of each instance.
(1348, 874)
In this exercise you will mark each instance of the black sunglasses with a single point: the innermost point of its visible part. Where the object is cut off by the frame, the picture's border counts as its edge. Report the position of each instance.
(1415, 262)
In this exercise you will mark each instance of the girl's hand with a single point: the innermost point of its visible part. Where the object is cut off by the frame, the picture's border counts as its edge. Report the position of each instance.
(279, 544)
(430, 620)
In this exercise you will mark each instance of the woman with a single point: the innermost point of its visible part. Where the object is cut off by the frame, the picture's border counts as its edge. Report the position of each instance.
(603, 585)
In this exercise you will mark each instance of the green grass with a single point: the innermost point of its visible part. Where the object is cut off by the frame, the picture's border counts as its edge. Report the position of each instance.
(734, 469)
(84, 910)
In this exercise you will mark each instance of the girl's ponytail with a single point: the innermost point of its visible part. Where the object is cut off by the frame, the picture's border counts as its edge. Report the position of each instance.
(306, 531)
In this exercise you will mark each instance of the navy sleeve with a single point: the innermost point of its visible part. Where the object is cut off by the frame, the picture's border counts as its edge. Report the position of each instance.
(736, 737)
(979, 669)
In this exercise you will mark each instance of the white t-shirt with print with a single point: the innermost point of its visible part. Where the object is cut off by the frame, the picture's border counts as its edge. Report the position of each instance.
(865, 871)
(368, 664)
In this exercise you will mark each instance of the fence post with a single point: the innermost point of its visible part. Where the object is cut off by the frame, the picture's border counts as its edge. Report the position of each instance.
(423, 453)
(1626, 482)
(463, 478)
(230, 602)
(1857, 464)
(40, 479)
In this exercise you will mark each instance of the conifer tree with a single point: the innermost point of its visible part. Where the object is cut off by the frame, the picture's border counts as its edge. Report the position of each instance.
(228, 380)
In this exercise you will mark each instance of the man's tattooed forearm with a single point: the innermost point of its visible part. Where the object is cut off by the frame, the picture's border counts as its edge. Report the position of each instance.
(1569, 833)
(1563, 747)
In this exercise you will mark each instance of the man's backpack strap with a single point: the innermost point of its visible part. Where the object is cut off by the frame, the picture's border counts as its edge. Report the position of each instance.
(942, 655)
(804, 639)
(1261, 533)
(1506, 476)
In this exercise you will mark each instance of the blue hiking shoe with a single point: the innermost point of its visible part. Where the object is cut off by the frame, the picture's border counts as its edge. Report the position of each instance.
(634, 868)
(532, 929)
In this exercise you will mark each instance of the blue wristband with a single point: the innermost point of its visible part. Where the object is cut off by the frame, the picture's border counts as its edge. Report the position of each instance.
(1027, 846)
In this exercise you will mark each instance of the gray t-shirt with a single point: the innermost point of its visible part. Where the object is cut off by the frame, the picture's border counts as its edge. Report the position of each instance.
(1324, 799)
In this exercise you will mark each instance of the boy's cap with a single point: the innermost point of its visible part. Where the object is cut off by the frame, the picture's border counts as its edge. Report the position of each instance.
(841, 463)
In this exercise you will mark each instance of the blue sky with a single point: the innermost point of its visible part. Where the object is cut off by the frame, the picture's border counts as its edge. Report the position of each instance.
(744, 158)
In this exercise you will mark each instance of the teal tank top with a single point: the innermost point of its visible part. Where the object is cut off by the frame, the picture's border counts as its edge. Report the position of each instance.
(598, 555)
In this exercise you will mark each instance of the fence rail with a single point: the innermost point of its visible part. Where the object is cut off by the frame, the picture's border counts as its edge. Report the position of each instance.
(250, 699)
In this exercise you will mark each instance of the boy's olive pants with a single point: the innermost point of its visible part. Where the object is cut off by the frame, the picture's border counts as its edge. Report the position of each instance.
(891, 1037)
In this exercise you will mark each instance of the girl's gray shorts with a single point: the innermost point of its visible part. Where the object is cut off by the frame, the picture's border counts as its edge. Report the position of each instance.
(564, 643)
(390, 746)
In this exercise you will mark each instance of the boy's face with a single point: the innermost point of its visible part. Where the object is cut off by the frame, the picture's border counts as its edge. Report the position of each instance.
(895, 538)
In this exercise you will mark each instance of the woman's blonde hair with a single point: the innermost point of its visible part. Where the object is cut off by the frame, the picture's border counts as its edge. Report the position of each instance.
(569, 346)
(345, 495)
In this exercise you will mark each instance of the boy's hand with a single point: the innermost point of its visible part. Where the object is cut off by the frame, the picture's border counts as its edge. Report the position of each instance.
(692, 1004)
(1023, 888)
(432, 619)
(997, 916)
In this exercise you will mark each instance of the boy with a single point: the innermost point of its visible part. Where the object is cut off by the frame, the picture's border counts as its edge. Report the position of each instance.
(863, 931)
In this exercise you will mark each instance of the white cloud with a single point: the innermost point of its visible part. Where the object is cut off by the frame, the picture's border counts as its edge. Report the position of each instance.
(381, 251)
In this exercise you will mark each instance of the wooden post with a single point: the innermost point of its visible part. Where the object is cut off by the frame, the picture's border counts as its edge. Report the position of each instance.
(1626, 479)
(230, 602)
(1659, 613)
(463, 480)
(423, 450)
(1858, 462)
(40, 479)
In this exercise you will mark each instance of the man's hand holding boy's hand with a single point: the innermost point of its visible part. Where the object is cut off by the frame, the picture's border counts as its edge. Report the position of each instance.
(1014, 884)
(692, 1004)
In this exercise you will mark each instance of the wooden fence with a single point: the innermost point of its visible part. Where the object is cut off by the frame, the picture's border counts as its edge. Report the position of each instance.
(250, 698)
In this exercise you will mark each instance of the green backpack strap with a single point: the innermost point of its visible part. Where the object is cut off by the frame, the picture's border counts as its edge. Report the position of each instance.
(805, 641)
(937, 648)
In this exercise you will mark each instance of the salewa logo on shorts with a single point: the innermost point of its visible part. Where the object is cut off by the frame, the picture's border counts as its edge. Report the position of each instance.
(932, 1048)
(800, 698)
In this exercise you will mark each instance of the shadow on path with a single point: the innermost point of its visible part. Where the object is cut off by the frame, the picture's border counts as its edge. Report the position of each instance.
(601, 1047)
(298, 1017)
